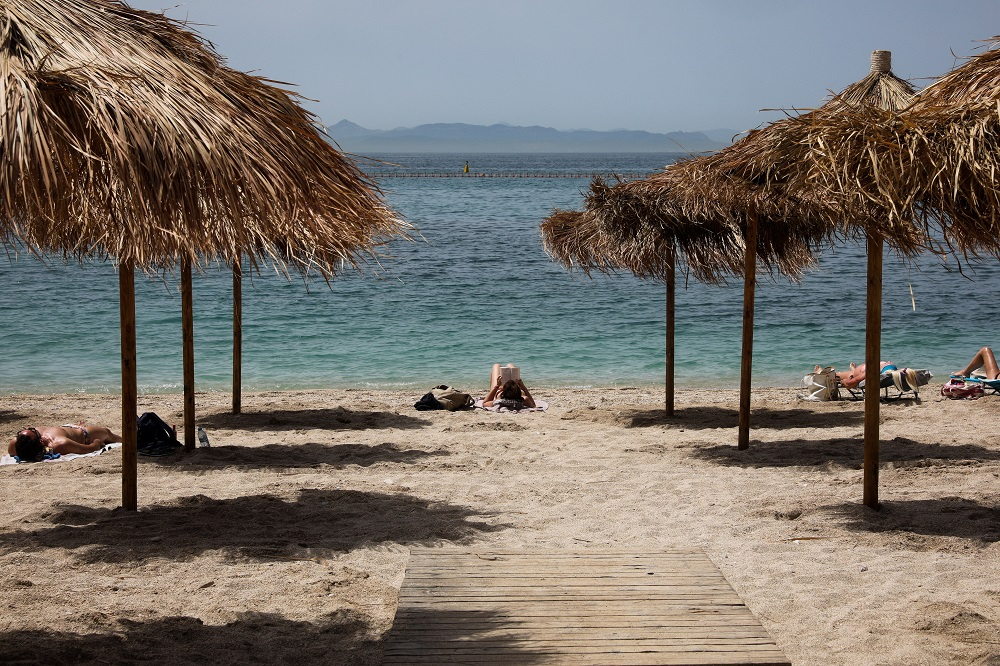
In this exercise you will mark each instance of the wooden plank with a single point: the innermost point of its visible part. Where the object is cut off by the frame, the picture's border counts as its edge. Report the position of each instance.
(556, 607)
(616, 659)
(130, 386)
(680, 585)
(560, 632)
(669, 341)
(475, 621)
(746, 359)
(187, 338)
(873, 352)
(237, 337)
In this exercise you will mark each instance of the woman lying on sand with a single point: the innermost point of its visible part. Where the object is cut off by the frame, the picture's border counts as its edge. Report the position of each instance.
(31, 444)
(513, 393)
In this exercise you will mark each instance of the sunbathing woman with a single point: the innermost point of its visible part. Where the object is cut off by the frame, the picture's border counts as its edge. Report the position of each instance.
(856, 375)
(513, 394)
(984, 359)
(31, 444)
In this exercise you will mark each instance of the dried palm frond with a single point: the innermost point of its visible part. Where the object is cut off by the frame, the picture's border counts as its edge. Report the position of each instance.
(625, 228)
(934, 164)
(124, 134)
(700, 207)
(787, 165)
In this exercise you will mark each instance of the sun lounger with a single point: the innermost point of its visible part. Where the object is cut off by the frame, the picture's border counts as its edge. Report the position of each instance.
(894, 384)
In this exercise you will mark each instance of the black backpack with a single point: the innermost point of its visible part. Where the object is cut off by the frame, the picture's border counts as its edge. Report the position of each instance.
(154, 436)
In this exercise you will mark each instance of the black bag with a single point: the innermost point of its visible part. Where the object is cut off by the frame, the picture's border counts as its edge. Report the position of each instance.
(154, 436)
(427, 402)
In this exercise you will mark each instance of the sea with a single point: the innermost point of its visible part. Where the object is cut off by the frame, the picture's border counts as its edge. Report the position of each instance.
(473, 288)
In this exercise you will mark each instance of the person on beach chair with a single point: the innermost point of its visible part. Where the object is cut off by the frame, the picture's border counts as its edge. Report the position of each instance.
(984, 359)
(851, 378)
(510, 394)
(980, 376)
(33, 444)
(904, 380)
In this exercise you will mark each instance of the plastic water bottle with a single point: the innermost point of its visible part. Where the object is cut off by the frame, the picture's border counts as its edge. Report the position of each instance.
(202, 437)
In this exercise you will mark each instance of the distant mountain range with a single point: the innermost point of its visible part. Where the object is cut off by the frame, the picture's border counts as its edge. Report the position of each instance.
(463, 138)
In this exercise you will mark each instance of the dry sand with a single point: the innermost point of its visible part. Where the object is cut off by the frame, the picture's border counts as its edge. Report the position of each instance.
(287, 540)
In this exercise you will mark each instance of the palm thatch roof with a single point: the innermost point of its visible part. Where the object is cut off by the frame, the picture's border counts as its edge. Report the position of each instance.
(772, 166)
(124, 134)
(702, 213)
(700, 205)
(591, 241)
(936, 161)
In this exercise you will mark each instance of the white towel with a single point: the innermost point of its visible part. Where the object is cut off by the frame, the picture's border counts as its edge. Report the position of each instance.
(8, 459)
(540, 406)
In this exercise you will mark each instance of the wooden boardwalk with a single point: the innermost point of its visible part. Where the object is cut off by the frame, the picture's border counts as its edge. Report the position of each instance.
(583, 607)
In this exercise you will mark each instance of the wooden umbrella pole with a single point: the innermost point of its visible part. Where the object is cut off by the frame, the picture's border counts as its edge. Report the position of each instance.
(187, 327)
(130, 391)
(749, 286)
(237, 337)
(873, 342)
(671, 288)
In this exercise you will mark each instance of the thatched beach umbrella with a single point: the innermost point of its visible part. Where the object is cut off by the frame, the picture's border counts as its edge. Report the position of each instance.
(647, 228)
(932, 167)
(744, 186)
(779, 161)
(717, 219)
(935, 163)
(124, 135)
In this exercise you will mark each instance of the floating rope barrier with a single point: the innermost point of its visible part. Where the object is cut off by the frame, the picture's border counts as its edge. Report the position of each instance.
(500, 174)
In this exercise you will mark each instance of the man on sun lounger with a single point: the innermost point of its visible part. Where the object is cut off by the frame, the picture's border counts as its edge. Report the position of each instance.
(32, 444)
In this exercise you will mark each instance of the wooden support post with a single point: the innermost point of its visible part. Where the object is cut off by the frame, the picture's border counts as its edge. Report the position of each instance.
(237, 337)
(187, 327)
(873, 350)
(746, 362)
(130, 391)
(671, 285)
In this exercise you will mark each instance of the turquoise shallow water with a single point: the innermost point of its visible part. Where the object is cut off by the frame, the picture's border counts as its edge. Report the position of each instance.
(478, 288)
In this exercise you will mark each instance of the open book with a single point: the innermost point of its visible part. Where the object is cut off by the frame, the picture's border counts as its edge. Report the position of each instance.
(508, 373)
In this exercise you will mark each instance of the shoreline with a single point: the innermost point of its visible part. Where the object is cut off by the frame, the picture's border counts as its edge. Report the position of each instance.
(713, 383)
(288, 538)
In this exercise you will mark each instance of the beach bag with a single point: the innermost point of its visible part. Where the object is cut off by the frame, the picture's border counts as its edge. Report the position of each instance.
(427, 402)
(957, 388)
(820, 385)
(154, 436)
(451, 398)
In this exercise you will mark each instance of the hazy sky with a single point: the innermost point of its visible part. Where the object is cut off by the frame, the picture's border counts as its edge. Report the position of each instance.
(599, 64)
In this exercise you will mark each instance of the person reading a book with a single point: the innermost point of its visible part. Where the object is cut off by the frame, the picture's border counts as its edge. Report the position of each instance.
(507, 390)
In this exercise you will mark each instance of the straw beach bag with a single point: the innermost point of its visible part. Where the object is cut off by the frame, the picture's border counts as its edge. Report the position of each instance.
(451, 398)
(820, 385)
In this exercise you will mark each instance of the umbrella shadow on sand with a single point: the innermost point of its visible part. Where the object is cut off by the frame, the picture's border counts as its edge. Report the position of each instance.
(845, 453)
(711, 417)
(255, 638)
(291, 456)
(334, 418)
(315, 524)
(10, 416)
(337, 639)
(469, 634)
(944, 517)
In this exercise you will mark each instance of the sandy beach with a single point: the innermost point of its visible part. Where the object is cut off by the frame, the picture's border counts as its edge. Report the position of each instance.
(287, 540)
